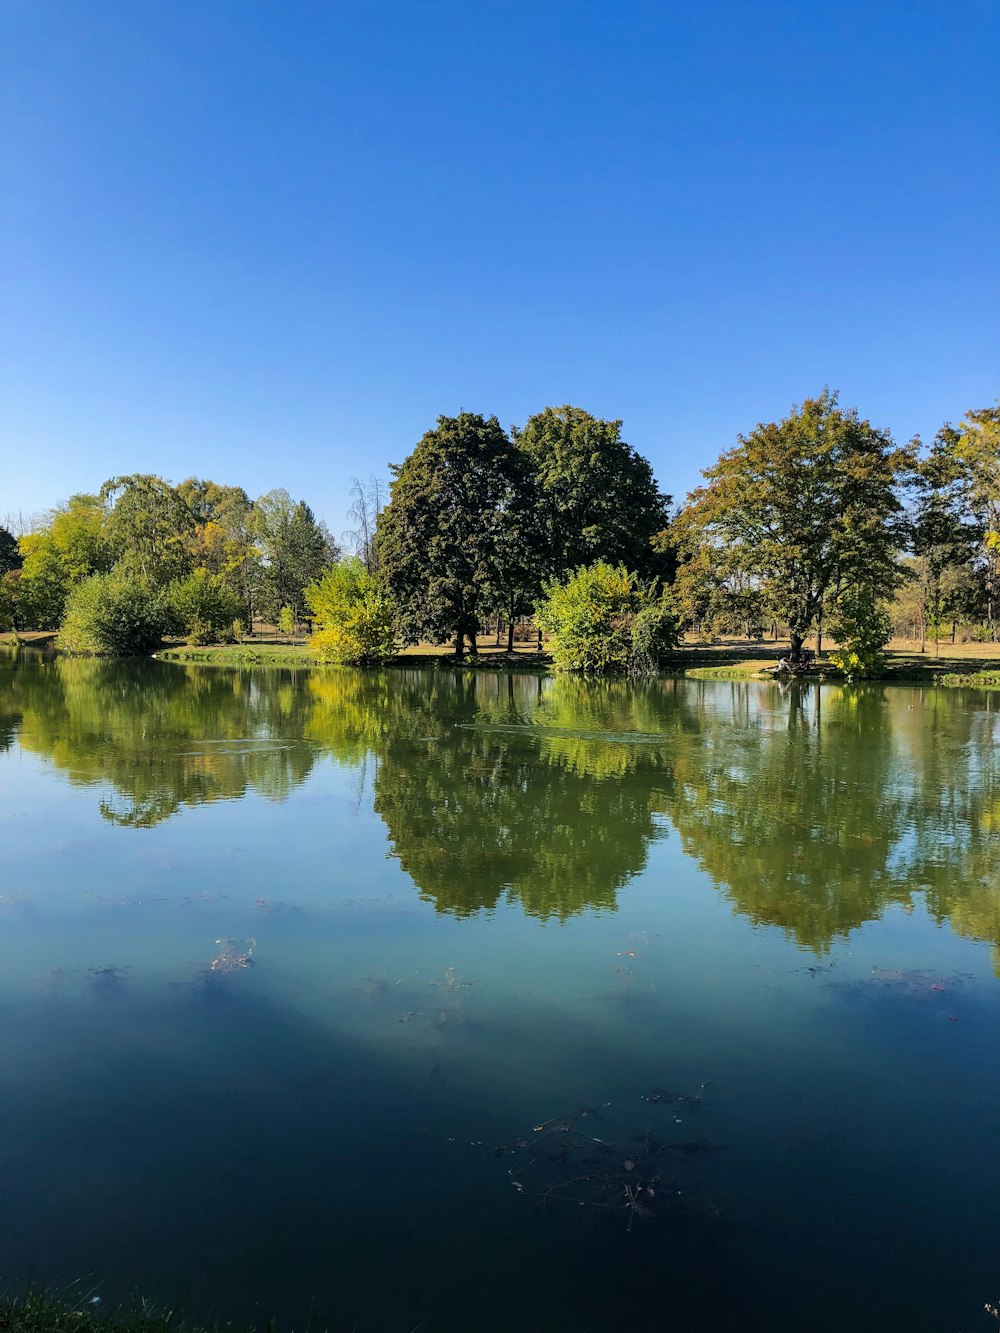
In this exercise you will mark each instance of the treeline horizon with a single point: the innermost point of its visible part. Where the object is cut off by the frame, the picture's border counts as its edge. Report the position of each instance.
(816, 521)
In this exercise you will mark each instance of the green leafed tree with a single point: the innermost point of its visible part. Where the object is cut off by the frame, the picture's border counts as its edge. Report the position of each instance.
(10, 554)
(944, 538)
(975, 445)
(598, 498)
(295, 551)
(354, 613)
(71, 545)
(148, 527)
(806, 506)
(459, 537)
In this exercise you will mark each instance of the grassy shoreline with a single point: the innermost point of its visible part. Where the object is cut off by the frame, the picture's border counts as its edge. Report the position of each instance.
(37, 1310)
(958, 666)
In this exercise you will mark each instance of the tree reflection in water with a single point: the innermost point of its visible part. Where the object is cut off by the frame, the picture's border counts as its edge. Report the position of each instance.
(812, 809)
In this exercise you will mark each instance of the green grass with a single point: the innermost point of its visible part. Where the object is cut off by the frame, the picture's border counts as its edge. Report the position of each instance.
(979, 679)
(733, 671)
(39, 1311)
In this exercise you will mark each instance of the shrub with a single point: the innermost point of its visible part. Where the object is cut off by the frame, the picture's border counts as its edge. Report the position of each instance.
(202, 607)
(355, 615)
(604, 620)
(109, 616)
(861, 628)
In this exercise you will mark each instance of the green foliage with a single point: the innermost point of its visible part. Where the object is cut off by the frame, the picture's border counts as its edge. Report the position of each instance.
(10, 600)
(286, 621)
(296, 549)
(110, 615)
(10, 554)
(456, 540)
(355, 615)
(44, 581)
(862, 627)
(148, 527)
(802, 509)
(975, 448)
(605, 620)
(202, 607)
(598, 498)
(72, 545)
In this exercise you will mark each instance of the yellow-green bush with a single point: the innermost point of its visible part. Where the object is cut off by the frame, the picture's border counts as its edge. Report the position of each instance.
(355, 615)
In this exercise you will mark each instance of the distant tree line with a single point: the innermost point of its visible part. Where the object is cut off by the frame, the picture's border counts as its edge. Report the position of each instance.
(818, 523)
(117, 570)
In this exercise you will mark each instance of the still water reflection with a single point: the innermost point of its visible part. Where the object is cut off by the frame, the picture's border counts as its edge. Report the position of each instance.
(293, 964)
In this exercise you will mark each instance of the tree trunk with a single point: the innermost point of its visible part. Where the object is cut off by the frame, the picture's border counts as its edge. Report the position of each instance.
(499, 627)
(459, 645)
(510, 635)
(796, 640)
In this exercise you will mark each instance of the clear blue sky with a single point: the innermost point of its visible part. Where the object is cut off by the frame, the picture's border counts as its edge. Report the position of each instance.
(269, 241)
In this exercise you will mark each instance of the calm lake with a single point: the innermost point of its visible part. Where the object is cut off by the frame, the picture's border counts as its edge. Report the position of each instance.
(483, 1003)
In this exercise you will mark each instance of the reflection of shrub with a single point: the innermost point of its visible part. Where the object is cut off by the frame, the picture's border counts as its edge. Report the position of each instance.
(861, 628)
(355, 615)
(203, 607)
(604, 620)
(111, 617)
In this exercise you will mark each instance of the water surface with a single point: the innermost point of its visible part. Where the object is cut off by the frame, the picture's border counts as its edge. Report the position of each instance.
(397, 993)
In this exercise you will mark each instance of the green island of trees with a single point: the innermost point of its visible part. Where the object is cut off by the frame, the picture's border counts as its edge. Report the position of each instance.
(817, 524)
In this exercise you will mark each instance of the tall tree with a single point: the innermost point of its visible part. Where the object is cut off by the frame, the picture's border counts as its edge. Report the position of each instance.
(69, 546)
(944, 535)
(148, 527)
(598, 498)
(222, 540)
(808, 506)
(296, 550)
(455, 541)
(976, 446)
(10, 555)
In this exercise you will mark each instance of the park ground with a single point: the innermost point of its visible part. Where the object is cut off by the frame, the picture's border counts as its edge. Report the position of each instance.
(726, 658)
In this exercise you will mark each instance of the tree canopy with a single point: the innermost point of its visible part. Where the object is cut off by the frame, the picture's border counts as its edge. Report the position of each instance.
(803, 508)
(455, 542)
(598, 498)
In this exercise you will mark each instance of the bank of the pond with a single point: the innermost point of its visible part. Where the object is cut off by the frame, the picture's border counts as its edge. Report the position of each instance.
(956, 666)
(39, 1311)
(298, 655)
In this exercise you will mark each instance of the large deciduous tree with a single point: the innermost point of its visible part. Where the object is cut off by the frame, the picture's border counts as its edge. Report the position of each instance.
(148, 527)
(598, 498)
(976, 446)
(944, 536)
(10, 555)
(296, 549)
(807, 506)
(457, 539)
(72, 544)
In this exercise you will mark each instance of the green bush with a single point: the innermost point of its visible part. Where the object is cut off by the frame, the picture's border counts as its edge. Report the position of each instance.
(111, 617)
(355, 615)
(862, 627)
(606, 621)
(202, 607)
